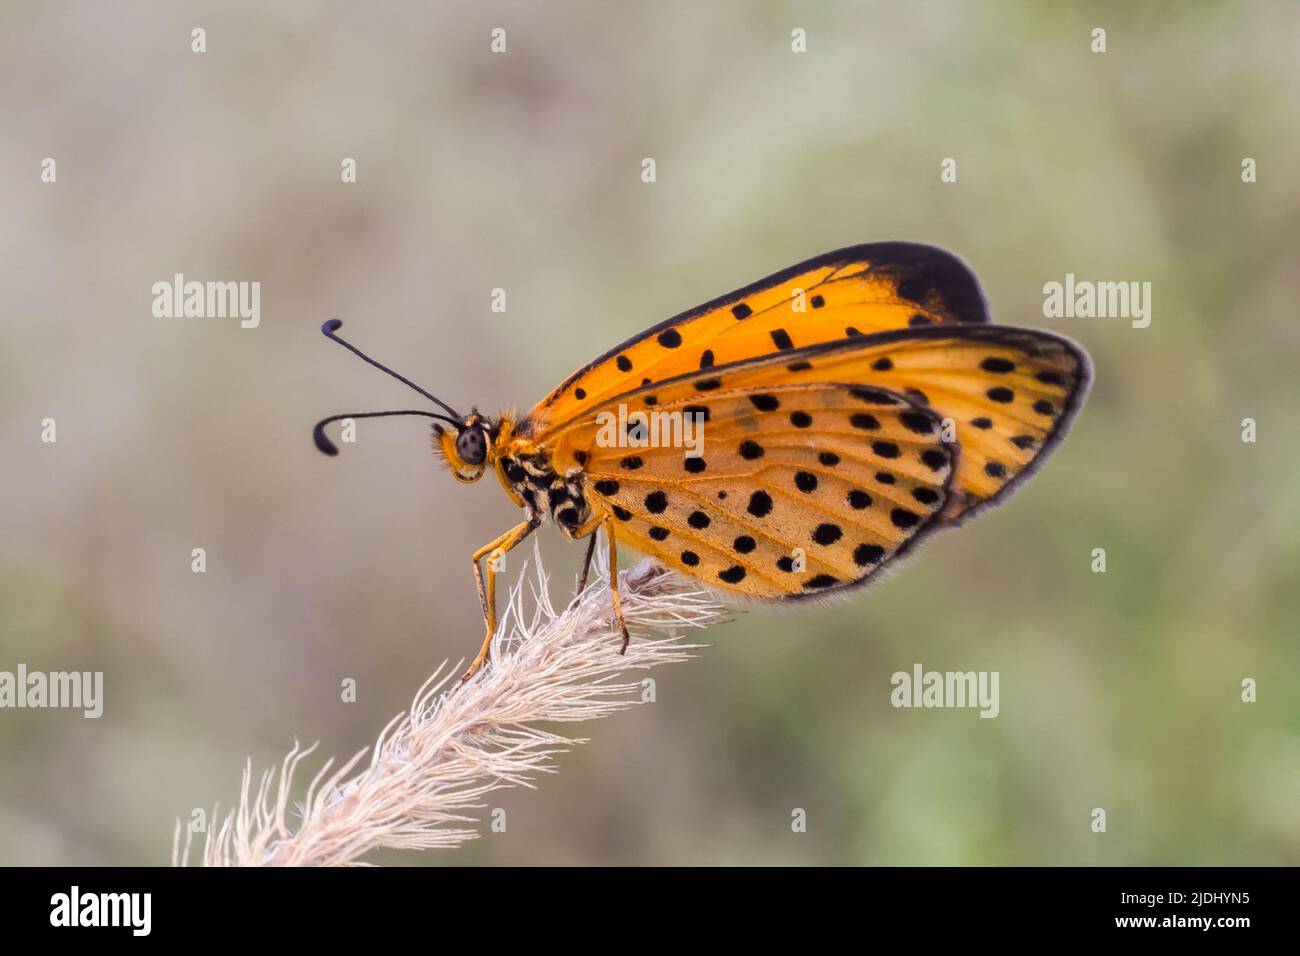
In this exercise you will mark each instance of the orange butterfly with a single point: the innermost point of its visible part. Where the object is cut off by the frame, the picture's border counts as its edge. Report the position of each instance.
(786, 440)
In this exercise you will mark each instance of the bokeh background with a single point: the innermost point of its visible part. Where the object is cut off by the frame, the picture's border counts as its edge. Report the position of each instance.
(522, 171)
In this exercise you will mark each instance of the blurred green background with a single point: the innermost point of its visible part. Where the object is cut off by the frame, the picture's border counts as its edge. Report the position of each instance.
(522, 171)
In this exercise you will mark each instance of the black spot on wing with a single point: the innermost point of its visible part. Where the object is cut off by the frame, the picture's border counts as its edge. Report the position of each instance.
(873, 395)
(934, 459)
(917, 422)
(827, 533)
(865, 554)
(903, 518)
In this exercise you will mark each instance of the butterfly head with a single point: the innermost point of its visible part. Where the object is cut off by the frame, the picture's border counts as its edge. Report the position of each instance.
(468, 448)
(465, 442)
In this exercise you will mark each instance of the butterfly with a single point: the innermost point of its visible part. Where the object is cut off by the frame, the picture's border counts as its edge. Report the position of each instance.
(784, 441)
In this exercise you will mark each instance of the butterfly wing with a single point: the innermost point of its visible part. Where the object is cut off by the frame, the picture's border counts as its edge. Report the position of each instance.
(856, 291)
(1004, 396)
(796, 490)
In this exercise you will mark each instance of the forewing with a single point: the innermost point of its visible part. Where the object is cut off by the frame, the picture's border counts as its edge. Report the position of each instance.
(856, 291)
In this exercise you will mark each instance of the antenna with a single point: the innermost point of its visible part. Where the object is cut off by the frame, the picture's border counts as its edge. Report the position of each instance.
(329, 448)
(333, 325)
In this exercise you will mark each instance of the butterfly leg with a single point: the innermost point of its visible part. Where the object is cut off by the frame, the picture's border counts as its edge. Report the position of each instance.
(494, 550)
(586, 566)
(613, 584)
(587, 530)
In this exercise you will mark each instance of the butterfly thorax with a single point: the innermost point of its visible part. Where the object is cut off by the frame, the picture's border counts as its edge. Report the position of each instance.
(532, 481)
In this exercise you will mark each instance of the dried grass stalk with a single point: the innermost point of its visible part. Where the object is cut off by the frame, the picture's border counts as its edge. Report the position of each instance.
(433, 764)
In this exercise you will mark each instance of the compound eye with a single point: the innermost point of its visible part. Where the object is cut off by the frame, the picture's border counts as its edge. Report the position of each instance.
(471, 446)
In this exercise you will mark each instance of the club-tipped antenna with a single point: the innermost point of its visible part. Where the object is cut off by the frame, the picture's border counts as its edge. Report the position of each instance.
(333, 325)
(329, 448)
